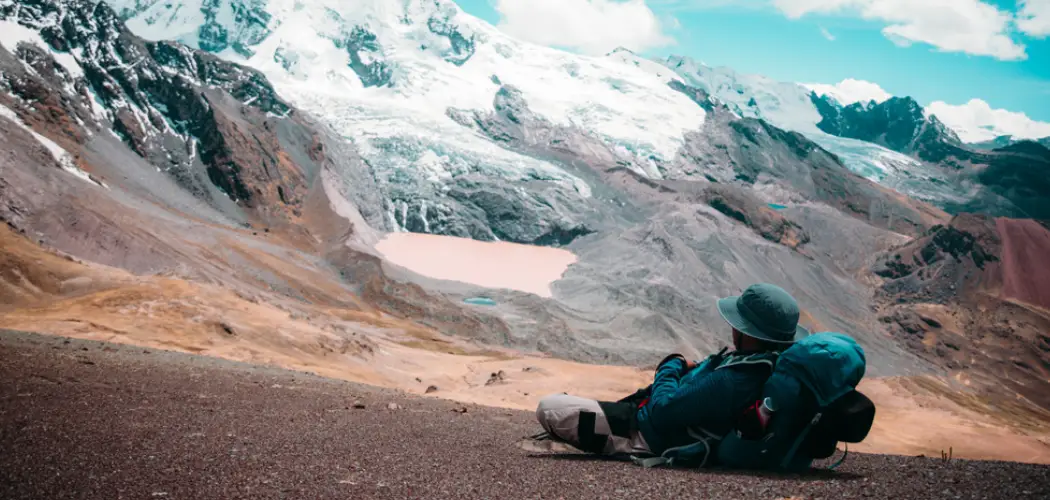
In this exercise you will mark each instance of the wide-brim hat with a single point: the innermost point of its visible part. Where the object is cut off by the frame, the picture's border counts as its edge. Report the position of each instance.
(765, 312)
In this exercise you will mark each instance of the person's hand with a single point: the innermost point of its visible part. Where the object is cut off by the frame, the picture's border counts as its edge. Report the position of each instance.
(669, 358)
(689, 365)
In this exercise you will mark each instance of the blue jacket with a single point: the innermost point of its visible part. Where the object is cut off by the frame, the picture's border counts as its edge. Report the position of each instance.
(707, 400)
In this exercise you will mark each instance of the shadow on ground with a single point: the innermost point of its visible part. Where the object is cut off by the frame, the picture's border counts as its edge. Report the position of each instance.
(814, 474)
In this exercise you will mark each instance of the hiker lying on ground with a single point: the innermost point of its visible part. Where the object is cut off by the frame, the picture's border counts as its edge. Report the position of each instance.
(686, 401)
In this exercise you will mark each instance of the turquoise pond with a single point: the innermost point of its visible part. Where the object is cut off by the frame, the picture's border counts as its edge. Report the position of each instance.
(480, 301)
(775, 206)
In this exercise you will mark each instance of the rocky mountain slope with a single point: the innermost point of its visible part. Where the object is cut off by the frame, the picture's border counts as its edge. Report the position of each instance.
(217, 130)
(973, 295)
(187, 166)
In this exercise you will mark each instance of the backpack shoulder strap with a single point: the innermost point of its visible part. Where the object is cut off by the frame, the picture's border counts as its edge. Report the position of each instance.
(767, 360)
(799, 440)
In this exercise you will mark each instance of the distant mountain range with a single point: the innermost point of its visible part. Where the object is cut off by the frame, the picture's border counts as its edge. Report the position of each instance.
(1007, 140)
(391, 76)
(1013, 174)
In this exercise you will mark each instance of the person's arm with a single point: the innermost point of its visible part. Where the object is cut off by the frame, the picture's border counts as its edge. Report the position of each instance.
(668, 375)
(708, 402)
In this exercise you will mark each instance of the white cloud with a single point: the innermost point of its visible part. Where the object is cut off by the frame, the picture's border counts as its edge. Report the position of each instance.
(1034, 17)
(827, 34)
(849, 91)
(798, 8)
(589, 26)
(976, 121)
(970, 26)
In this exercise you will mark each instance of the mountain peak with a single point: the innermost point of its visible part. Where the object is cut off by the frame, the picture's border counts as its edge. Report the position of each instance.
(898, 123)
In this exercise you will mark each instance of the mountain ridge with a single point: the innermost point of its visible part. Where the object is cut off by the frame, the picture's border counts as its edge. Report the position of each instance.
(1007, 140)
(1011, 179)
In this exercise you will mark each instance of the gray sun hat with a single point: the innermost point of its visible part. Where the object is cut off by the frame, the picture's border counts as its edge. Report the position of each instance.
(765, 312)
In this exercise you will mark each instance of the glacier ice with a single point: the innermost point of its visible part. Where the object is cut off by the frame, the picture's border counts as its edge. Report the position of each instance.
(385, 74)
(400, 79)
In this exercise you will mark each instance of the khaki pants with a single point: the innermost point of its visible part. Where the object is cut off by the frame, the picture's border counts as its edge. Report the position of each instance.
(559, 415)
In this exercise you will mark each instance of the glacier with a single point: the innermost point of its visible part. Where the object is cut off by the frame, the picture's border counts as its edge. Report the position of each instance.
(385, 74)
(397, 78)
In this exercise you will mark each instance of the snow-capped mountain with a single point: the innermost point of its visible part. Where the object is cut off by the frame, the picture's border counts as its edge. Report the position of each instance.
(409, 82)
(1009, 180)
(786, 105)
(71, 69)
(793, 107)
(386, 73)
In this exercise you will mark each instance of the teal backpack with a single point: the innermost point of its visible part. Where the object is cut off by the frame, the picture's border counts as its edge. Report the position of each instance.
(809, 404)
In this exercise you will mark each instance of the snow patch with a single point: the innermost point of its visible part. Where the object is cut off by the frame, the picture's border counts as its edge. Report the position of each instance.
(12, 33)
(652, 67)
(786, 105)
(163, 20)
(64, 159)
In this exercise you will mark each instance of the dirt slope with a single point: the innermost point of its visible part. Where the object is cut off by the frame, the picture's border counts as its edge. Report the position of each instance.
(1026, 261)
(174, 426)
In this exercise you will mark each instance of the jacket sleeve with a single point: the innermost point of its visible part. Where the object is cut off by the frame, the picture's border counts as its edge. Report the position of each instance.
(708, 402)
(667, 378)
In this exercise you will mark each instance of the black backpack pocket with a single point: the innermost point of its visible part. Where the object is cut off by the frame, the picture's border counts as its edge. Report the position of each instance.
(848, 420)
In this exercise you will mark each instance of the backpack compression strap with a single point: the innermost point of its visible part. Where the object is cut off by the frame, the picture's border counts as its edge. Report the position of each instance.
(696, 454)
(589, 440)
(845, 454)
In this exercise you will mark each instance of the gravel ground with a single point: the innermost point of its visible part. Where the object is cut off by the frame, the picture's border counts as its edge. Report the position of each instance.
(85, 419)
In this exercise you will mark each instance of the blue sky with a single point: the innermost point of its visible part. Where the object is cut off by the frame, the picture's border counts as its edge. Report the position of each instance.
(933, 50)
